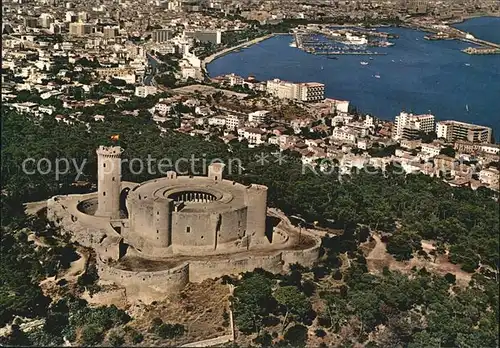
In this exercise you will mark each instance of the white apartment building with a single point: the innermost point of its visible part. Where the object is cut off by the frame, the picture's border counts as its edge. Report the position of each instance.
(254, 136)
(454, 130)
(144, 91)
(281, 89)
(260, 116)
(490, 176)
(47, 109)
(369, 121)
(235, 80)
(364, 144)
(492, 149)
(234, 122)
(163, 108)
(344, 134)
(431, 150)
(408, 126)
(218, 121)
(306, 92)
(274, 140)
(310, 91)
(341, 106)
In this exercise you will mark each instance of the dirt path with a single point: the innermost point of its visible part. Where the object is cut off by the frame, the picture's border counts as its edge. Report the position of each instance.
(378, 258)
(77, 267)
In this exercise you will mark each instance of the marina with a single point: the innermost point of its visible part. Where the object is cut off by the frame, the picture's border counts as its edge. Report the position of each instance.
(336, 43)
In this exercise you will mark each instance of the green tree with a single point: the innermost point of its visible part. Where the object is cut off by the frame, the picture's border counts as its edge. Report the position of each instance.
(252, 302)
(448, 151)
(294, 302)
(116, 339)
(92, 334)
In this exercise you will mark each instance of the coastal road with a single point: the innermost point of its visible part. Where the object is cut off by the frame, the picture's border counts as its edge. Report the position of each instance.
(225, 51)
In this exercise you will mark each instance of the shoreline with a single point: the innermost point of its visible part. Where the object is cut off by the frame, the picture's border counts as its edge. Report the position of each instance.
(466, 18)
(228, 50)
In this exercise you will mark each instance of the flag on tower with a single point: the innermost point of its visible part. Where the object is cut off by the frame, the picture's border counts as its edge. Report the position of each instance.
(115, 137)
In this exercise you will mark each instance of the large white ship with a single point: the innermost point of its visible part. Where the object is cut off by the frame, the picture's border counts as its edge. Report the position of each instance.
(355, 40)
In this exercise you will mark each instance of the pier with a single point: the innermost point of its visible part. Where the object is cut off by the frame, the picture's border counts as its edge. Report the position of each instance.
(451, 33)
(482, 50)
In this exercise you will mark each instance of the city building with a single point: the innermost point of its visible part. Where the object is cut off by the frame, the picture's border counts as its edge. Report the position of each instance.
(341, 106)
(281, 89)
(432, 150)
(306, 92)
(258, 117)
(31, 22)
(144, 91)
(162, 35)
(409, 126)
(218, 121)
(310, 92)
(46, 20)
(110, 32)
(213, 36)
(234, 122)
(254, 136)
(490, 176)
(344, 134)
(454, 130)
(472, 148)
(80, 29)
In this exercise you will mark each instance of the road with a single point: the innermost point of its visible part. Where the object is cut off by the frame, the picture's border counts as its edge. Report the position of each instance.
(153, 63)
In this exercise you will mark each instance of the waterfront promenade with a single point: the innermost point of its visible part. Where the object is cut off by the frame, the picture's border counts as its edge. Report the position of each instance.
(228, 50)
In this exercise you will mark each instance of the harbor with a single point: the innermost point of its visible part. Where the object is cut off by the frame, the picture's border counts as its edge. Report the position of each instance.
(340, 42)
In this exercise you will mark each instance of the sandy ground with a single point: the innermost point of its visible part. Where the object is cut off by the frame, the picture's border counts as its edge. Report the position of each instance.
(378, 258)
(199, 307)
(32, 208)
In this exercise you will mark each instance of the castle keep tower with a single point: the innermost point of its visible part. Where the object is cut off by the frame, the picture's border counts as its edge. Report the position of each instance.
(109, 181)
(257, 206)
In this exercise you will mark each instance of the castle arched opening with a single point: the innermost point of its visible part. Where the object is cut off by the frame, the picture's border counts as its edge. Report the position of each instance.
(193, 197)
(123, 202)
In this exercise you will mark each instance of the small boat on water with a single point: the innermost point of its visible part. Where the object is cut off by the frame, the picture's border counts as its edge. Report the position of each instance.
(467, 107)
(371, 58)
(467, 64)
(363, 63)
(377, 76)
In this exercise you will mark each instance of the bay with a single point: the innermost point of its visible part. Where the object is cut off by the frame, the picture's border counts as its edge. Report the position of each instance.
(416, 75)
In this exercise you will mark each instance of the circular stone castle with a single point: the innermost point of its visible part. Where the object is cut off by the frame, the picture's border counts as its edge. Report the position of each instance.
(156, 236)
